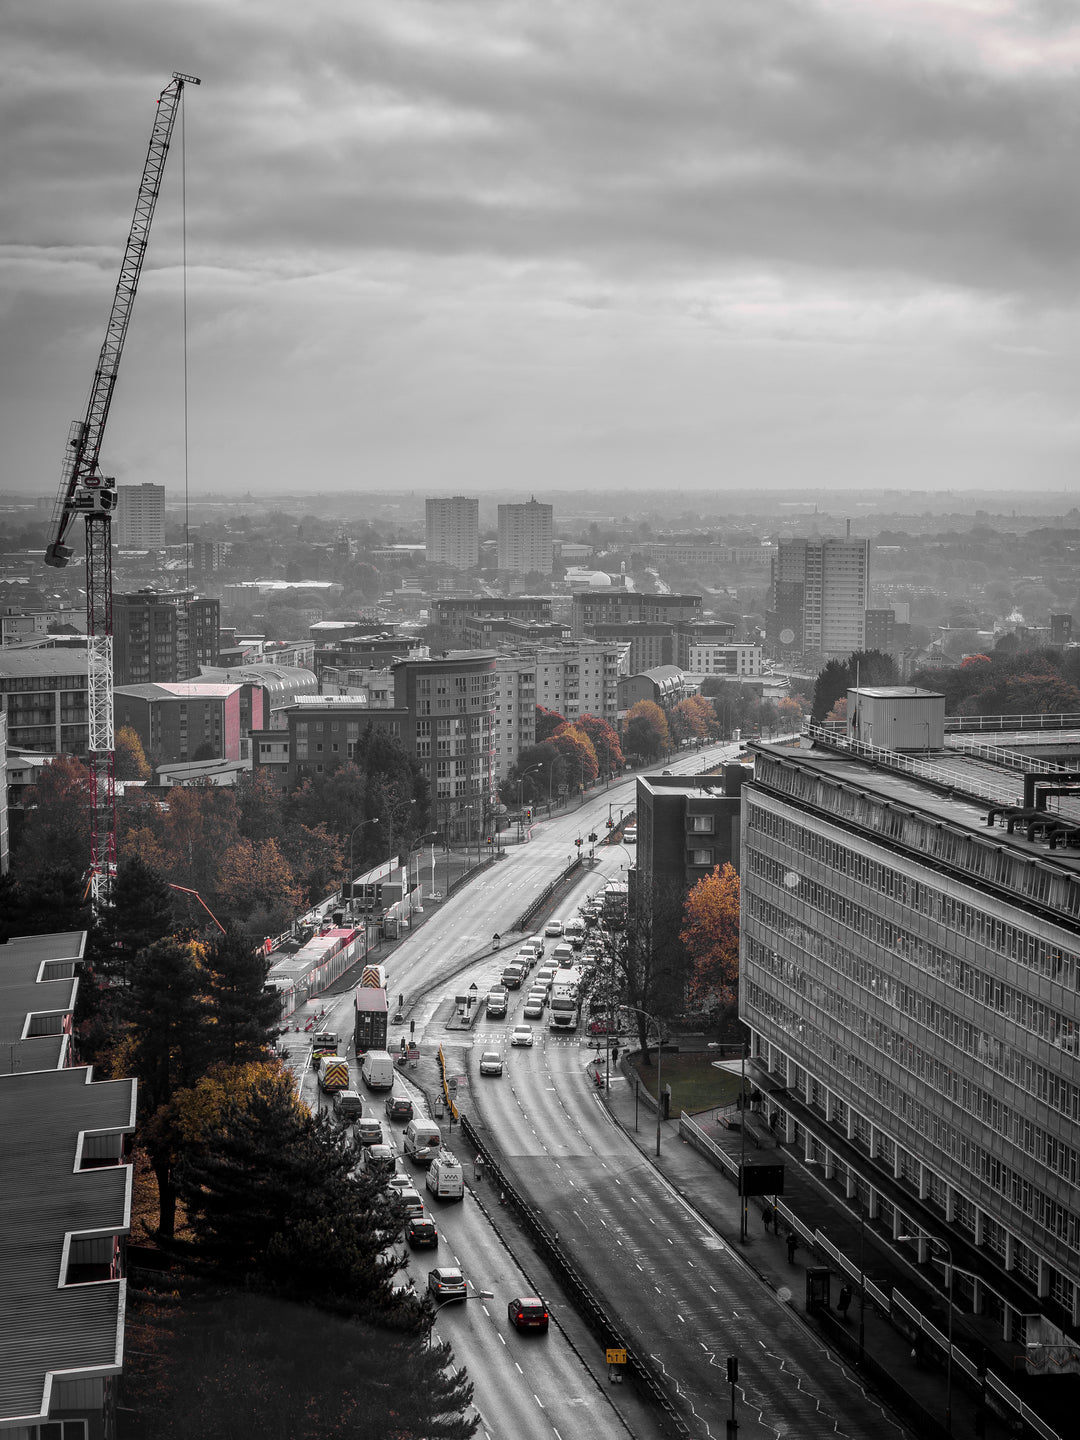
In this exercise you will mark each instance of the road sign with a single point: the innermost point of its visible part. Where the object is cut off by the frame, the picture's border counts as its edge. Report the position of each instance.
(616, 1357)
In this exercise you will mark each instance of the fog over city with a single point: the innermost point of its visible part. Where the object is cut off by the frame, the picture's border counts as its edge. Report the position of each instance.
(504, 247)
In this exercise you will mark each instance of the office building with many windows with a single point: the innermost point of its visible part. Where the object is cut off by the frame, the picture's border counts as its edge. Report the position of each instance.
(910, 974)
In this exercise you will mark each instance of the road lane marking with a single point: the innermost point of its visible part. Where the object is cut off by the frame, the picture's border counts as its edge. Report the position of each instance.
(538, 1400)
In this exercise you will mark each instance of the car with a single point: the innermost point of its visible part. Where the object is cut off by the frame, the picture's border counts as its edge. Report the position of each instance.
(446, 1283)
(380, 1159)
(398, 1107)
(528, 1312)
(553, 927)
(521, 1035)
(368, 1130)
(534, 1008)
(400, 1181)
(420, 1232)
(412, 1201)
(491, 1063)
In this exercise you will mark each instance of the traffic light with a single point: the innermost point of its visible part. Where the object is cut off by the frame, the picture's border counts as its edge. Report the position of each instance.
(578, 842)
(732, 1369)
(609, 822)
(592, 837)
(528, 814)
(489, 840)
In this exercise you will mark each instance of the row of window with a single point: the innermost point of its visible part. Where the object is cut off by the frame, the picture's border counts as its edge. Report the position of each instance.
(1042, 1021)
(1026, 876)
(982, 1164)
(971, 920)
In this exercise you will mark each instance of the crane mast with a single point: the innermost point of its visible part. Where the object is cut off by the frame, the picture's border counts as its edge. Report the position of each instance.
(85, 491)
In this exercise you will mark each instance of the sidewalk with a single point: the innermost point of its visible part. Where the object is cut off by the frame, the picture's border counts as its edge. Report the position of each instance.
(889, 1352)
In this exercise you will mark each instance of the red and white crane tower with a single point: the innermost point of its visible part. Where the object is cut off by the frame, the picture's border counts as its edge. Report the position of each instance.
(85, 491)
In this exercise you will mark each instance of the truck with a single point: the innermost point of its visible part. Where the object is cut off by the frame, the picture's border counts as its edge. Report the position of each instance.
(371, 1016)
(334, 1074)
(613, 904)
(373, 977)
(565, 1004)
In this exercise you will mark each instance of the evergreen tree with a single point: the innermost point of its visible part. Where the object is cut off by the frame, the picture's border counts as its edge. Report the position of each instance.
(52, 900)
(245, 1013)
(831, 685)
(140, 912)
(167, 1018)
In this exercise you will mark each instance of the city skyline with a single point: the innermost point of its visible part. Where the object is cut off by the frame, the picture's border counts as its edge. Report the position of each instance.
(451, 248)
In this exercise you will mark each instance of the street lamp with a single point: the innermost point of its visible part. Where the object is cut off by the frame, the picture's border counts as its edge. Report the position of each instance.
(374, 820)
(659, 1094)
(944, 1245)
(741, 1047)
(521, 788)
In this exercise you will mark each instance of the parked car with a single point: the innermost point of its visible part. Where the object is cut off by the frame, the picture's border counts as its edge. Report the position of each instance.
(491, 1063)
(421, 1232)
(398, 1107)
(446, 1283)
(521, 1035)
(528, 1313)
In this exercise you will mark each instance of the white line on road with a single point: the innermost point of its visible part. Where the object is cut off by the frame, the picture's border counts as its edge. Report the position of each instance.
(538, 1400)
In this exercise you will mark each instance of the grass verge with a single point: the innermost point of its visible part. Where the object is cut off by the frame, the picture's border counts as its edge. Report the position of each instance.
(695, 1083)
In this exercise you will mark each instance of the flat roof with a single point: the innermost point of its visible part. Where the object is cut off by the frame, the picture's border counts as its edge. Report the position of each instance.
(28, 964)
(47, 1328)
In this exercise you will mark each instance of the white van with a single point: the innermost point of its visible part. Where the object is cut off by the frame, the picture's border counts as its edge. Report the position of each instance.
(377, 1070)
(422, 1141)
(445, 1177)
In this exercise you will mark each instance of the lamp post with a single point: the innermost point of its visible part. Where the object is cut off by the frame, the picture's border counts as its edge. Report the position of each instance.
(659, 1052)
(374, 820)
(742, 1132)
(437, 1305)
(943, 1245)
(521, 789)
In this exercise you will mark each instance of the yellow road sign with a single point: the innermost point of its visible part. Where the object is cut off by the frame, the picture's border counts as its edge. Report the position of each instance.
(616, 1357)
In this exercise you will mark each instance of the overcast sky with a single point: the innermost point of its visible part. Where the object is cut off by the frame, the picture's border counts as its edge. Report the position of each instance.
(550, 244)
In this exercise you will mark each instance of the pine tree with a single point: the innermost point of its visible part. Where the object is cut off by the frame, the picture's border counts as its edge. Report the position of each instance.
(245, 1013)
(140, 912)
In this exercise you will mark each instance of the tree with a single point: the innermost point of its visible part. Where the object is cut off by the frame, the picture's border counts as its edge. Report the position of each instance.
(692, 719)
(605, 742)
(256, 879)
(219, 1365)
(244, 1011)
(540, 768)
(711, 935)
(547, 722)
(141, 911)
(166, 1049)
(862, 667)
(832, 684)
(51, 901)
(56, 831)
(647, 730)
(838, 714)
(647, 960)
(131, 761)
(576, 749)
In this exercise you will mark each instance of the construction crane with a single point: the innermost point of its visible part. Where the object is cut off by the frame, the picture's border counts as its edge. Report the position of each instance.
(85, 491)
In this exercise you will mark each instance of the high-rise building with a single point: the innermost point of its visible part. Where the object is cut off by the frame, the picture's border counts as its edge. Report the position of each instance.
(525, 538)
(574, 678)
(453, 531)
(820, 591)
(140, 517)
(910, 963)
(163, 638)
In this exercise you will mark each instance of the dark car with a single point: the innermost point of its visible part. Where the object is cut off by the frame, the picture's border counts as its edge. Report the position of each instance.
(420, 1232)
(528, 1312)
(398, 1107)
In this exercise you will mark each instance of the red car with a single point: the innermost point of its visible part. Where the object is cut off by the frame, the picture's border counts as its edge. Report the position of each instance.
(528, 1313)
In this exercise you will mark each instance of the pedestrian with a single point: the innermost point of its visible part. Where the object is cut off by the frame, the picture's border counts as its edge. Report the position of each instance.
(843, 1300)
(766, 1218)
(792, 1245)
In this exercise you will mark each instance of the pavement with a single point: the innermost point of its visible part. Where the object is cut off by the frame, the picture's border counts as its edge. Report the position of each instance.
(920, 1387)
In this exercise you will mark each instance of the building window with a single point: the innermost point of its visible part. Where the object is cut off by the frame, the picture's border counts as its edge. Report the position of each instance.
(701, 857)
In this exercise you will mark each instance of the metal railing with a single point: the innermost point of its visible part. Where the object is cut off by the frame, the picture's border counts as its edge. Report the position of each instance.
(922, 769)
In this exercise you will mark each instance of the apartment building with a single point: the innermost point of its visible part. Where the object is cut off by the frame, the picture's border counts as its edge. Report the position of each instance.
(451, 616)
(44, 693)
(161, 637)
(629, 607)
(175, 722)
(573, 679)
(820, 593)
(910, 967)
(140, 517)
(711, 657)
(452, 533)
(525, 538)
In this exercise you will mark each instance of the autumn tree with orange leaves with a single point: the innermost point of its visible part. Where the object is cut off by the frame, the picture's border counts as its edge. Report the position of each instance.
(646, 732)
(711, 936)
